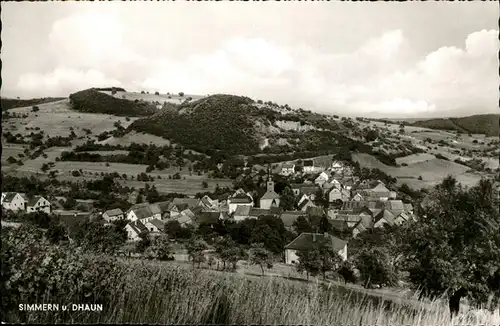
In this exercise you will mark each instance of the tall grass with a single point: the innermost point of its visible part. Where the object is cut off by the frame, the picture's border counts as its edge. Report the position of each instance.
(168, 294)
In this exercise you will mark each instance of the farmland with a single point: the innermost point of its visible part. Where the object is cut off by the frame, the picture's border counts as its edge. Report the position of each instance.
(56, 119)
(432, 171)
(136, 137)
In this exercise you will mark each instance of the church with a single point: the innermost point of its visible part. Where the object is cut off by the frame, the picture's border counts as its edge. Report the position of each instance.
(270, 198)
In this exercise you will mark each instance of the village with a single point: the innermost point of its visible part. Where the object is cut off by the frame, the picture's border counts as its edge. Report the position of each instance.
(350, 205)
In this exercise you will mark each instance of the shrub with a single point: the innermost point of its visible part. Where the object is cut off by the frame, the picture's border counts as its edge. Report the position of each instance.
(35, 109)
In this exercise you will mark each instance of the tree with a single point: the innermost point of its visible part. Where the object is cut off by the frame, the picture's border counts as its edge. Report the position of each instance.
(204, 184)
(288, 199)
(455, 244)
(144, 243)
(35, 109)
(195, 248)
(181, 94)
(160, 248)
(346, 270)
(371, 135)
(56, 233)
(309, 261)
(260, 256)
(375, 267)
(302, 225)
(324, 225)
(173, 229)
(228, 252)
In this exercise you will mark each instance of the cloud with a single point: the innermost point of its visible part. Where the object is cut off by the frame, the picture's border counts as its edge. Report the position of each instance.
(65, 80)
(379, 78)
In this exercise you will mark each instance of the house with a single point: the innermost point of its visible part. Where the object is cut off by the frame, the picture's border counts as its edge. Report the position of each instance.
(307, 189)
(308, 166)
(321, 179)
(336, 183)
(357, 197)
(14, 201)
(113, 215)
(337, 167)
(155, 225)
(135, 229)
(289, 217)
(384, 217)
(270, 198)
(334, 194)
(305, 204)
(345, 195)
(241, 213)
(144, 212)
(38, 203)
(315, 211)
(288, 169)
(209, 203)
(239, 199)
(209, 217)
(307, 241)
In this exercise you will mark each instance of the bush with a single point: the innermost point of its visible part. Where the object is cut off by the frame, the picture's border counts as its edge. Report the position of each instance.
(35, 109)
(75, 173)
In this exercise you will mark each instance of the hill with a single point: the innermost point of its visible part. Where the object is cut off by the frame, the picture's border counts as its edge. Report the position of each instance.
(218, 122)
(234, 125)
(487, 124)
(8, 103)
(94, 101)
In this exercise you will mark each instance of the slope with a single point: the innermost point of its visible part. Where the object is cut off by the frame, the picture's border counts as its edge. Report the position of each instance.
(487, 124)
(8, 103)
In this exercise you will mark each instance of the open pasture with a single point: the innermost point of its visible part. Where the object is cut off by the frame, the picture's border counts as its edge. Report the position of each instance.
(98, 167)
(12, 150)
(135, 137)
(432, 171)
(56, 119)
(188, 186)
(415, 158)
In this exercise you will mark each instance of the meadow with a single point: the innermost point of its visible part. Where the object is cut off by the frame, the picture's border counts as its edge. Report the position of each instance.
(56, 119)
(138, 291)
(432, 171)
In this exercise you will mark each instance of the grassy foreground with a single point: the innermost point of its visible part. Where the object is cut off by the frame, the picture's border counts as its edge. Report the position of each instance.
(150, 292)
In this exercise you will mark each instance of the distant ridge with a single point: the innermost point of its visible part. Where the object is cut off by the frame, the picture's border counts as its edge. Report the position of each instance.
(487, 124)
(10, 103)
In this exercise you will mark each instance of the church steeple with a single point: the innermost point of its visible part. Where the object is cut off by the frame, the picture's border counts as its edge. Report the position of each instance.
(270, 183)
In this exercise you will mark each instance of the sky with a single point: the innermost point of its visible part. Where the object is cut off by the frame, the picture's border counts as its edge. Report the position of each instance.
(373, 59)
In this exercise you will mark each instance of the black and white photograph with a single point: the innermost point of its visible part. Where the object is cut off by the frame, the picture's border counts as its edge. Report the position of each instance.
(250, 163)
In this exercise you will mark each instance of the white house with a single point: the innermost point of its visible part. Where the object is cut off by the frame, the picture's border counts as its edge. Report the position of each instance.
(287, 169)
(38, 203)
(14, 201)
(334, 195)
(134, 230)
(144, 212)
(307, 241)
(154, 225)
(337, 167)
(308, 166)
(113, 215)
(321, 179)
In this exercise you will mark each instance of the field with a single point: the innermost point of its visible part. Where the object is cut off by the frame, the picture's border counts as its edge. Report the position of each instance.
(431, 171)
(188, 186)
(415, 158)
(166, 293)
(56, 119)
(11, 150)
(135, 137)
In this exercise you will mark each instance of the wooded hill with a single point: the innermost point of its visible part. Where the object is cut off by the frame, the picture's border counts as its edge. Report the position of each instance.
(487, 124)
